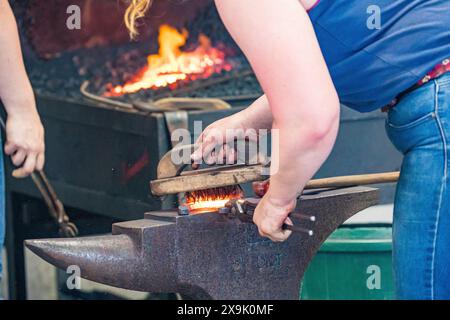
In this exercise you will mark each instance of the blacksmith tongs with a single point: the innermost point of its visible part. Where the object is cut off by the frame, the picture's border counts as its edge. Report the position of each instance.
(244, 209)
(66, 228)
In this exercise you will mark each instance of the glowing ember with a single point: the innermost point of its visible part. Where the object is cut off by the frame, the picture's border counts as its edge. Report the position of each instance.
(212, 199)
(171, 64)
(207, 206)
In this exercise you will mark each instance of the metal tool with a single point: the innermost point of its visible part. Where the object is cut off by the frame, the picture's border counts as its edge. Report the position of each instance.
(207, 255)
(159, 104)
(243, 209)
(172, 177)
(260, 187)
(55, 206)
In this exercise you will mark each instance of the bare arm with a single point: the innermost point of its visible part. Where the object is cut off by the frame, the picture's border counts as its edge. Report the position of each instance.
(258, 115)
(25, 135)
(14, 82)
(278, 39)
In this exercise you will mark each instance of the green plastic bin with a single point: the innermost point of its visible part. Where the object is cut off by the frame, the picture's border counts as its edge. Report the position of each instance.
(354, 263)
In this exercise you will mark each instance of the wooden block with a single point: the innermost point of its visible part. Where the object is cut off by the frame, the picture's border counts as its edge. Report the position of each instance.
(208, 178)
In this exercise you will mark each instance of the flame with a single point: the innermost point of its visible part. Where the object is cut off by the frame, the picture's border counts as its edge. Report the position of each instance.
(207, 205)
(212, 199)
(171, 64)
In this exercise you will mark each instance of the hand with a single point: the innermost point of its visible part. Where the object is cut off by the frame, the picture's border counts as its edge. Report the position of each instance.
(270, 216)
(214, 142)
(25, 142)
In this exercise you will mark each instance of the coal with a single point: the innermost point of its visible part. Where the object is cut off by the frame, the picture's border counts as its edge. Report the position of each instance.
(108, 66)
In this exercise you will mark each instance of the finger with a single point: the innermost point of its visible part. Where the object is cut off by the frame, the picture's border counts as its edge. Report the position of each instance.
(210, 158)
(231, 155)
(207, 152)
(18, 157)
(195, 166)
(204, 147)
(220, 157)
(30, 164)
(288, 221)
(279, 236)
(202, 136)
(10, 148)
(19, 173)
(283, 234)
(275, 233)
(40, 162)
(226, 155)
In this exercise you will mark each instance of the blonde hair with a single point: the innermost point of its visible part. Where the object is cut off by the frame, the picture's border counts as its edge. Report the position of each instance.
(136, 10)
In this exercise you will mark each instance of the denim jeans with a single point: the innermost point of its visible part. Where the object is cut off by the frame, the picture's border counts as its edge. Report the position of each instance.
(2, 210)
(419, 127)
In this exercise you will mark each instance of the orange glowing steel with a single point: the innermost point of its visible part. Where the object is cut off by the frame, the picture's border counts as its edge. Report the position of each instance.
(207, 206)
(212, 199)
(171, 64)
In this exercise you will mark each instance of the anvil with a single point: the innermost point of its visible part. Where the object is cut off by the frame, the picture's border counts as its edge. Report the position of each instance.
(207, 255)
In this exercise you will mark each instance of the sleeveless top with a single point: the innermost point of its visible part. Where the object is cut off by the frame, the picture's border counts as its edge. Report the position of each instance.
(376, 49)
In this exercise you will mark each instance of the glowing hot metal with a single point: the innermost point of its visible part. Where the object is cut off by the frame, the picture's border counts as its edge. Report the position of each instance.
(210, 200)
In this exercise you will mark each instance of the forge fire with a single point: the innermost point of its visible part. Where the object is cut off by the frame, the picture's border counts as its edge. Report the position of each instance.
(213, 199)
(171, 65)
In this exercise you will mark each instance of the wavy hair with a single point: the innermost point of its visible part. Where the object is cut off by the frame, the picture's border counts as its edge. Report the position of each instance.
(135, 11)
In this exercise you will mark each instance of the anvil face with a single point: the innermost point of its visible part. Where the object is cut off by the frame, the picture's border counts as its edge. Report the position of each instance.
(206, 255)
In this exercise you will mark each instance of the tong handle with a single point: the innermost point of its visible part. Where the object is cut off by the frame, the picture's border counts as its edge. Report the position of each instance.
(301, 216)
(298, 229)
(246, 209)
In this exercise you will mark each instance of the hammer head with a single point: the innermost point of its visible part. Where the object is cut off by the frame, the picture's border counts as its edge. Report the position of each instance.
(206, 255)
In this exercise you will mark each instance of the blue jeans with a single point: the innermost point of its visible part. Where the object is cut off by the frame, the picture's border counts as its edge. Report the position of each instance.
(2, 209)
(419, 127)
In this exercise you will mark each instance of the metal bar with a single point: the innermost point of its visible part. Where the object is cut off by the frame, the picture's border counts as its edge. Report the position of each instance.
(111, 102)
(207, 83)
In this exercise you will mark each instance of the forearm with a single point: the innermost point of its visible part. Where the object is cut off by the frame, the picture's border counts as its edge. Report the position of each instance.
(303, 101)
(258, 115)
(15, 89)
(297, 153)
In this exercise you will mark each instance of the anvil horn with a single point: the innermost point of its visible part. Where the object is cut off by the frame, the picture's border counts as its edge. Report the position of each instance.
(109, 259)
(206, 255)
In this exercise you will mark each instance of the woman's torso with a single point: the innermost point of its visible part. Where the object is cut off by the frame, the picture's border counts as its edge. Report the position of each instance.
(376, 49)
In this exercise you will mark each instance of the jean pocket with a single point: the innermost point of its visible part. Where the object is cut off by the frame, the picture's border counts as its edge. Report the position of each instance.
(410, 123)
(445, 83)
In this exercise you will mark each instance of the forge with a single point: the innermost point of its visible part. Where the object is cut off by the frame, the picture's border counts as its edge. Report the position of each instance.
(112, 186)
(183, 51)
(206, 255)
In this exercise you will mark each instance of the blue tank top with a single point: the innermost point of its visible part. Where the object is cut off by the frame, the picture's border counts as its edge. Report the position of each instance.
(370, 66)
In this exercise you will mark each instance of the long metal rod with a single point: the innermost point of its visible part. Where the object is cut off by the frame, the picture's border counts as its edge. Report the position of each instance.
(111, 102)
(353, 180)
(207, 83)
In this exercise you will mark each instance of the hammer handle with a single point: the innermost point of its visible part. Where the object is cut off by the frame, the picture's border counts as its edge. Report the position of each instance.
(261, 187)
(355, 180)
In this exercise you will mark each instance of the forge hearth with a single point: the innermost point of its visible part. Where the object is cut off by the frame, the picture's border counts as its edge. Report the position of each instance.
(60, 60)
